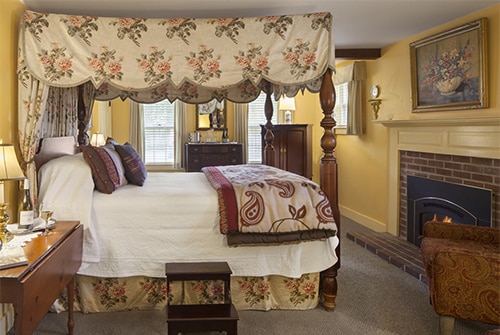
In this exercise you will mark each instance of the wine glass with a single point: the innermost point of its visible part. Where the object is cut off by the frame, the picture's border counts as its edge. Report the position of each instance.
(46, 211)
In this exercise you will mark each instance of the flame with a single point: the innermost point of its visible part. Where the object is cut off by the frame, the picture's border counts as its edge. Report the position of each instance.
(446, 219)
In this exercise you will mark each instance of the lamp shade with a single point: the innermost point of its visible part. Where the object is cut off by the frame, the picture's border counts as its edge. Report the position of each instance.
(9, 166)
(286, 104)
(97, 139)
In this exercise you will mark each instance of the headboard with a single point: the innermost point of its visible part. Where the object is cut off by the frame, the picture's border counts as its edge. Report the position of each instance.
(53, 147)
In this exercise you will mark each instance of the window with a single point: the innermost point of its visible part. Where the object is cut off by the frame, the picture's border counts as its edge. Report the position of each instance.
(256, 117)
(348, 111)
(159, 133)
(341, 105)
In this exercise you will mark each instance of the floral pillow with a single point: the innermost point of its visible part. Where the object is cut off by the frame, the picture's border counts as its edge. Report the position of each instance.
(104, 171)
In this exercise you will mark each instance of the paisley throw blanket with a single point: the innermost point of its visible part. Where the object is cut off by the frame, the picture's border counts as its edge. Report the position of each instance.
(260, 204)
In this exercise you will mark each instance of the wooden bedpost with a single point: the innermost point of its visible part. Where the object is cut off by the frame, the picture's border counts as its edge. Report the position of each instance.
(268, 110)
(83, 137)
(329, 181)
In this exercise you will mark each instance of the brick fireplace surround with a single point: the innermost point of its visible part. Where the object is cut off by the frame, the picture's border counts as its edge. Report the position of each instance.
(463, 151)
(472, 171)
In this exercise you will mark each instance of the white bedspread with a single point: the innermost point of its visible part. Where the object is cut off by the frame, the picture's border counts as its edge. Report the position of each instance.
(172, 218)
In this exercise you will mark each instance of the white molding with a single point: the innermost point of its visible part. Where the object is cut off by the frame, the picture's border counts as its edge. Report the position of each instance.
(482, 121)
(362, 219)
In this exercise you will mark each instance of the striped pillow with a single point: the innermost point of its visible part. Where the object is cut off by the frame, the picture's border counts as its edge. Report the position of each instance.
(135, 171)
(104, 171)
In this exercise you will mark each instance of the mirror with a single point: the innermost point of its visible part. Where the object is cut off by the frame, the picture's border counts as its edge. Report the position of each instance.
(211, 115)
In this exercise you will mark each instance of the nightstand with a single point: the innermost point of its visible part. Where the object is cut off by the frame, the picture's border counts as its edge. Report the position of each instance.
(52, 264)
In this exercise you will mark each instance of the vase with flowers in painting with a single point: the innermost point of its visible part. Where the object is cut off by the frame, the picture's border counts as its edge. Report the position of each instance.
(448, 86)
(449, 67)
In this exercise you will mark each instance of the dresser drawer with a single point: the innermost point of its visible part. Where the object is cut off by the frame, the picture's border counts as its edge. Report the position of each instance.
(212, 149)
(212, 154)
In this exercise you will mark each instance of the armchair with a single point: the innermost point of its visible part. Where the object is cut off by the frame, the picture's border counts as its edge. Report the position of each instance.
(462, 264)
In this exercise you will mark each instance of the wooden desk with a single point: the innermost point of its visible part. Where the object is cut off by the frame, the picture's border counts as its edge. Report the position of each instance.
(33, 288)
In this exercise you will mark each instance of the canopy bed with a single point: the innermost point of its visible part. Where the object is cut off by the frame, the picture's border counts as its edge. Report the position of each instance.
(67, 61)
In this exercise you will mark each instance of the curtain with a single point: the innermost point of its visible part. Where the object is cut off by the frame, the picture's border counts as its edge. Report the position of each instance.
(353, 74)
(241, 127)
(136, 131)
(180, 133)
(191, 59)
(61, 114)
(88, 93)
(29, 123)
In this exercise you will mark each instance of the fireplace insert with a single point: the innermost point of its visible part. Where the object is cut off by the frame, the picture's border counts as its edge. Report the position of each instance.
(429, 199)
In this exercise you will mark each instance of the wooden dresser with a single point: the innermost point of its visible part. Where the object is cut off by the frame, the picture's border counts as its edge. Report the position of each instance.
(292, 148)
(199, 155)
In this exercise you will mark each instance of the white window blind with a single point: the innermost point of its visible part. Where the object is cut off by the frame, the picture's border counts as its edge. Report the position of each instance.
(159, 131)
(341, 105)
(256, 117)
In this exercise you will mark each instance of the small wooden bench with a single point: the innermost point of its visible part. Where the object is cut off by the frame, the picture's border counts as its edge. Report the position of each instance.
(197, 318)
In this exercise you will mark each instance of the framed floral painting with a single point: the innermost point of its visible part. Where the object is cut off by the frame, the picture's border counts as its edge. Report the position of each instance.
(449, 70)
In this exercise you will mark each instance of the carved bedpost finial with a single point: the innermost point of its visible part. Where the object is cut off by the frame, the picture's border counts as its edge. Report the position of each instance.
(268, 109)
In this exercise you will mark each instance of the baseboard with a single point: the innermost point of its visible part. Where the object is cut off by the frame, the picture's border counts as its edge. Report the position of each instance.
(363, 219)
(6, 318)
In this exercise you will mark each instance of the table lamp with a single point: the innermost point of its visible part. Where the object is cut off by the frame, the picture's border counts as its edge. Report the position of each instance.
(287, 105)
(97, 140)
(9, 170)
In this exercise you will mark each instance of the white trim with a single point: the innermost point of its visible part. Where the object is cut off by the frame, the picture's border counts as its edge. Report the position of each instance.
(362, 219)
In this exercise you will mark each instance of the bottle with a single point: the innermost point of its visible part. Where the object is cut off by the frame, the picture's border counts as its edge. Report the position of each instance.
(225, 136)
(26, 211)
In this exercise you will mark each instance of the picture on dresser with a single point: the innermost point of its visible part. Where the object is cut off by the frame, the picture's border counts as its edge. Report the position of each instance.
(211, 115)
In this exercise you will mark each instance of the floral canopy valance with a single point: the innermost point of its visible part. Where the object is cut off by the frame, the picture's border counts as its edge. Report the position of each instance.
(194, 60)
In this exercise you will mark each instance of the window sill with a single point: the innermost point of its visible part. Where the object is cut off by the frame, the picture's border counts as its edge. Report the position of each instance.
(340, 131)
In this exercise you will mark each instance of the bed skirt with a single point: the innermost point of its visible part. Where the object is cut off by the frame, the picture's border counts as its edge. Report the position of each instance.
(95, 294)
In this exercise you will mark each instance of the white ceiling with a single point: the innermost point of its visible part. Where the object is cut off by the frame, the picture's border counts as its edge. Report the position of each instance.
(356, 23)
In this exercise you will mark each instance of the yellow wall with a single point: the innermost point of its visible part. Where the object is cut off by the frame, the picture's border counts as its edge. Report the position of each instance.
(363, 170)
(10, 11)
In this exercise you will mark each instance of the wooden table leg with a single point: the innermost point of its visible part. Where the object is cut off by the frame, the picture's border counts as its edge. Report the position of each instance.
(18, 318)
(71, 292)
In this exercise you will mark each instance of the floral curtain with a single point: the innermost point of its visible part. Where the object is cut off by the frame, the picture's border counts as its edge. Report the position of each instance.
(194, 60)
(61, 116)
(31, 109)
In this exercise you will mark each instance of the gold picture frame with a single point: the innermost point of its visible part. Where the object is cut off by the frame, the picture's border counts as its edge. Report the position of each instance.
(449, 69)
